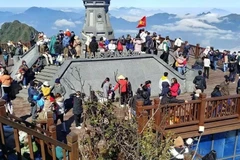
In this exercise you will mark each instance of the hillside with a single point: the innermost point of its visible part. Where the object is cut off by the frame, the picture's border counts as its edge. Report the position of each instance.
(15, 31)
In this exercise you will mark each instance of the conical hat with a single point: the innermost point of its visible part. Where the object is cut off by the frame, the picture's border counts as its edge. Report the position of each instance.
(178, 142)
(121, 77)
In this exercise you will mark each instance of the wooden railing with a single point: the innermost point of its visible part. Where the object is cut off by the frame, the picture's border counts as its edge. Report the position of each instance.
(44, 138)
(194, 113)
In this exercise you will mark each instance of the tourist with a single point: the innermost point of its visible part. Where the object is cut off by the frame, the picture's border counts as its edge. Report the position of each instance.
(71, 52)
(148, 85)
(179, 150)
(177, 44)
(168, 98)
(175, 88)
(166, 48)
(181, 63)
(6, 82)
(93, 46)
(130, 47)
(102, 46)
(47, 56)
(77, 45)
(196, 94)
(119, 47)
(10, 49)
(58, 47)
(5, 57)
(164, 85)
(216, 57)
(111, 93)
(65, 44)
(129, 89)
(38, 66)
(78, 109)
(216, 91)
(59, 88)
(225, 60)
(232, 69)
(238, 86)
(177, 53)
(32, 91)
(87, 43)
(149, 43)
(186, 50)
(105, 86)
(24, 68)
(122, 86)
(137, 45)
(32, 39)
(60, 110)
(46, 90)
(206, 64)
(112, 47)
(200, 82)
(18, 50)
(238, 63)
(143, 35)
(224, 87)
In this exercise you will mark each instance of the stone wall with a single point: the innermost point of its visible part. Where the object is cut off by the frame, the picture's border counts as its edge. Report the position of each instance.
(137, 69)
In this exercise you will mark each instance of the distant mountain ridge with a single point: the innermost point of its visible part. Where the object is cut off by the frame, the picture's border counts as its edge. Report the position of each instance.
(206, 28)
(15, 31)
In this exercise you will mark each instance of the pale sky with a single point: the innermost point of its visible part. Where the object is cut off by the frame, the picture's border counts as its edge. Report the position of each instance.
(127, 3)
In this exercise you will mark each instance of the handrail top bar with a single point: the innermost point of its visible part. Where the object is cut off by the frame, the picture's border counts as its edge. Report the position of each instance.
(223, 97)
(27, 123)
(34, 133)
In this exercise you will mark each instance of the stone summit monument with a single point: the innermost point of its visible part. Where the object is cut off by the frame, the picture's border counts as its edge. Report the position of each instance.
(97, 20)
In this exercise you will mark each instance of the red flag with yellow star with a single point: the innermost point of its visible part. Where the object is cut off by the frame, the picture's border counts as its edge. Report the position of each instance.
(142, 22)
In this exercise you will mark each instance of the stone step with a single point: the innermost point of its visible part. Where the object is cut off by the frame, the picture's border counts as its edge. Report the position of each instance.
(43, 78)
(52, 67)
(46, 74)
(48, 70)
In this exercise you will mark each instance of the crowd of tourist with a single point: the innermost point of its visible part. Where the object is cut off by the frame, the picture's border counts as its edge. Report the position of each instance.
(66, 45)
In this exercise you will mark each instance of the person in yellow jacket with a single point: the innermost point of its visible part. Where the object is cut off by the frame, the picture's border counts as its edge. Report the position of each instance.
(46, 90)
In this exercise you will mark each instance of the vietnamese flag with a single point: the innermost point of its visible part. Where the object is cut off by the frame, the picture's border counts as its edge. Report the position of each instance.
(142, 22)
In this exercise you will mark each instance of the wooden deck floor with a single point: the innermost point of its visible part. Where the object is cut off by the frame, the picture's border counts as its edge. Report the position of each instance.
(22, 108)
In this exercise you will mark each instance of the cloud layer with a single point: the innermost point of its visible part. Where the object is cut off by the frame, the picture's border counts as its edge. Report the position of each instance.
(64, 23)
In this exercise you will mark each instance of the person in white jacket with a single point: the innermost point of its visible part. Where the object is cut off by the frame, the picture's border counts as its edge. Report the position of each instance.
(87, 43)
(111, 46)
(60, 110)
(177, 44)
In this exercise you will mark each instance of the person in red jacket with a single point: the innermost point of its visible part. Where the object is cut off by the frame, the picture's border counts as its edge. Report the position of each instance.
(175, 88)
(122, 85)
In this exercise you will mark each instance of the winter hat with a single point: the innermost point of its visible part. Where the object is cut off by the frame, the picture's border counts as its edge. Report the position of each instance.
(121, 77)
(197, 92)
(46, 83)
(178, 142)
(57, 80)
(32, 83)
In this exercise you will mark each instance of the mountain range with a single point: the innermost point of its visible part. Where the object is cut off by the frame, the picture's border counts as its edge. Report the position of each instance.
(215, 27)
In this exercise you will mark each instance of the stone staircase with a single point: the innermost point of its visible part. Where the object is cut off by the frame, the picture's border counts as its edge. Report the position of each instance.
(47, 74)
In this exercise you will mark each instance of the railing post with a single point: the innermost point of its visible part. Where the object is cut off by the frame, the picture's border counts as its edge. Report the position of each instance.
(72, 141)
(143, 121)
(2, 109)
(201, 111)
(238, 107)
(157, 117)
(52, 130)
(50, 120)
(197, 51)
(139, 110)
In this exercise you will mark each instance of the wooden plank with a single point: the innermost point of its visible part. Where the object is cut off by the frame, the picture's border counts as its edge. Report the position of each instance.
(221, 118)
(30, 147)
(3, 142)
(42, 145)
(182, 125)
(17, 143)
(35, 133)
(221, 123)
(64, 154)
(54, 157)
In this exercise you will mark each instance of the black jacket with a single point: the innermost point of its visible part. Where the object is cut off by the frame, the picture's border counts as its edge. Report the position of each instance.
(93, 46)
(77, 105)
(200, 82)
(167, 100)
(58, 48)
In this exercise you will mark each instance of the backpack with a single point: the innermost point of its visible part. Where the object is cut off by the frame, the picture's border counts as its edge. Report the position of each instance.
(17, 51)
(199, 84)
